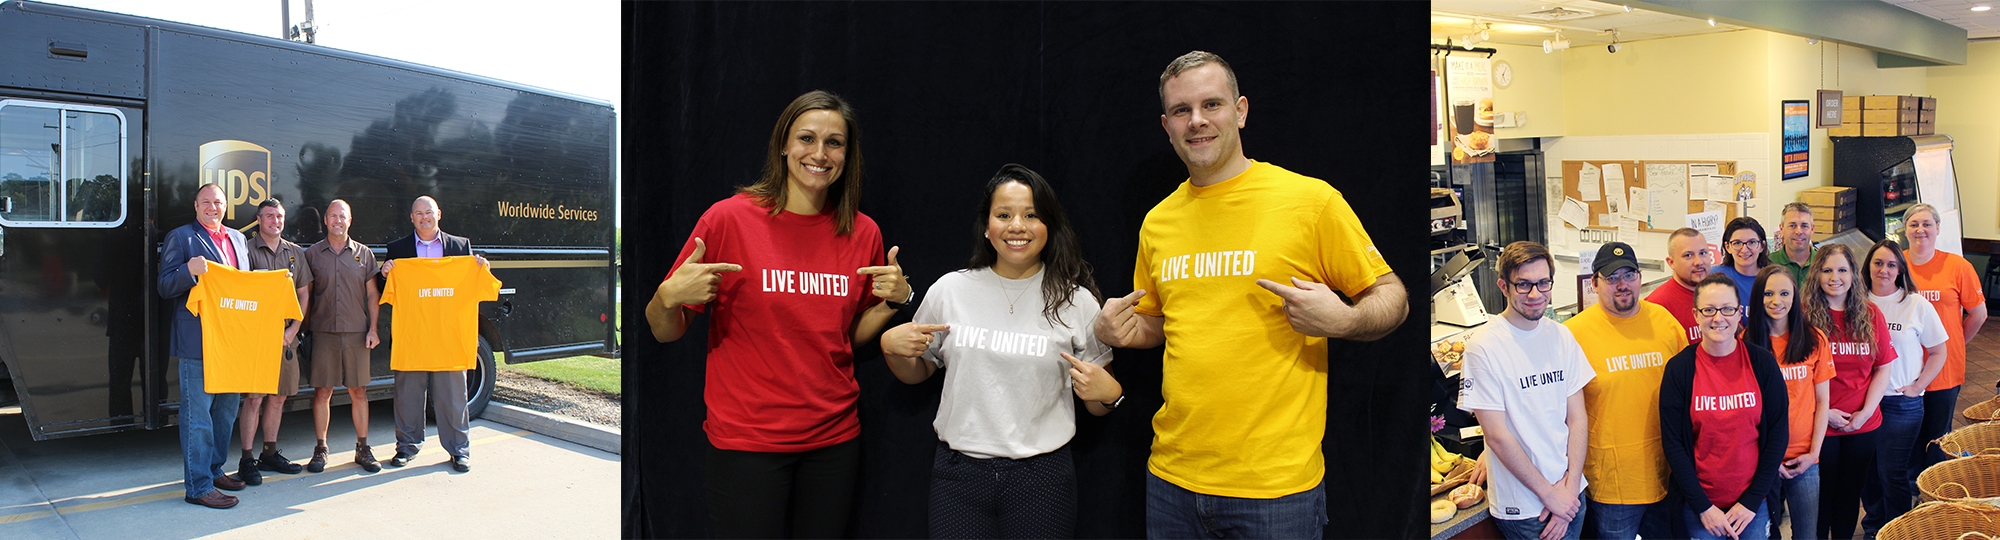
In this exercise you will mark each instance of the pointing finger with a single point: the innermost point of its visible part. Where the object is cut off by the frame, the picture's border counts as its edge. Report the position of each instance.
(1073, 361)
(877, 270)
(699, 249)
(1282, 290)
(725, 267)
(1134, 296)
(928, 328)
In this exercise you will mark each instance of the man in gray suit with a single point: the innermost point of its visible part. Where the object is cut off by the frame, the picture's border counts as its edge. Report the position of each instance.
(446, 389)
(205, 419)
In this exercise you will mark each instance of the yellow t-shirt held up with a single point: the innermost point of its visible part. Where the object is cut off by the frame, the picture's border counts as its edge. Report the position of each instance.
(1245, 394)
(436, 323)
(242, 316)
(1625, 462)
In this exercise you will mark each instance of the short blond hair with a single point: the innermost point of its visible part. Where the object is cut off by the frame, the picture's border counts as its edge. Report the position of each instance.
(1195, 59)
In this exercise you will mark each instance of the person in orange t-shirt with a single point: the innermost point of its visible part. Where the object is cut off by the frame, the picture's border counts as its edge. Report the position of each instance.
(1953, 287)
(444, 389)
(1776, 324)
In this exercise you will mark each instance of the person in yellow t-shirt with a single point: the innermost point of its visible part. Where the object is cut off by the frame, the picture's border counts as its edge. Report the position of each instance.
(1236, 274)
(444, 389)
(1628, 341)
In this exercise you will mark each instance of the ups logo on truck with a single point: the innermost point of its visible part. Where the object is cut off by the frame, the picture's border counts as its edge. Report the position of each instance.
(242, 169)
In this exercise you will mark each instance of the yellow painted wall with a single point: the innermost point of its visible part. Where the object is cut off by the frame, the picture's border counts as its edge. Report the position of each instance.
(1709, 83)
(1797, 70)
(1966, 112)
(1537, 89)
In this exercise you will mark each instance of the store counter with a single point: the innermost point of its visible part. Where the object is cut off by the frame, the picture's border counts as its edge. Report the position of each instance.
(1474, 522)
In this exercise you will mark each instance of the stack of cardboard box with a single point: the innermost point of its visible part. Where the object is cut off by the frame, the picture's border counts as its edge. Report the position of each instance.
(1886, 116)
(1832, 209)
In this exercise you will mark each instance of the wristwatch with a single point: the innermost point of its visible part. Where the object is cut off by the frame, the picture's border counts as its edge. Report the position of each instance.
(1113, 405)
(898, 306)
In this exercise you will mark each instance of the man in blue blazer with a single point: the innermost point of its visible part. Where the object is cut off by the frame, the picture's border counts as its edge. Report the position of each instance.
(445, 389)
(206, 419)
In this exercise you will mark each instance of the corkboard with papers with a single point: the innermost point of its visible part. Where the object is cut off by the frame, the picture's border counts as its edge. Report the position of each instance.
(1601, 194)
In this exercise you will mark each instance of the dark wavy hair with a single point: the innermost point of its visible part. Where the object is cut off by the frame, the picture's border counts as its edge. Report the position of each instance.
(1741, 223)
(1803, 341)
(1859, 318)
(1063, 266)
(843, 197)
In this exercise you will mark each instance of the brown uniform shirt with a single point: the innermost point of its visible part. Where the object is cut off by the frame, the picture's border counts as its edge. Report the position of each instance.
(288, 256)
(339, 287)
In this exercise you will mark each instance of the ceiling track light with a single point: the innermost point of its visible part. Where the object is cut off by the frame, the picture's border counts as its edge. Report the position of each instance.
(1614, 47)
(1557, 44)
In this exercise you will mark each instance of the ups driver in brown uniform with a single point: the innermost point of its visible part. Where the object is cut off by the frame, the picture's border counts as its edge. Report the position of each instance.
(269, 251)
(345, 302)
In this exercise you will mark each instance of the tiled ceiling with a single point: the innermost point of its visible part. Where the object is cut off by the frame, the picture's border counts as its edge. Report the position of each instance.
(1977, 24)
(1455, 19)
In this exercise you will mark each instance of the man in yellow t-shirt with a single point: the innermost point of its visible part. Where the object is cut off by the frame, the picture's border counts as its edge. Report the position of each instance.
(1628, 341)
(1233, 276)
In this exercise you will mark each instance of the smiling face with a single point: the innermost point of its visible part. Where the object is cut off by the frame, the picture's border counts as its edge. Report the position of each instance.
(1533, 303)
(1203, 119)
(1883, 271)
(208, 205)
(1836, 277)
(424, 214)
(271, 221)
(1744, 246)
(1717, 327)
(816, 150)
(1797, 231)
(1688, 256)
(1921, 228)
(1778, 293)
(1015, 230)
(1619, 291)
(337, 220)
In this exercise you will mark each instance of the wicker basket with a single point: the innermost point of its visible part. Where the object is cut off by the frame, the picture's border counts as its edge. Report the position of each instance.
(1978, 439)
(1973, 479)
(1984, 411)
(1944, 520)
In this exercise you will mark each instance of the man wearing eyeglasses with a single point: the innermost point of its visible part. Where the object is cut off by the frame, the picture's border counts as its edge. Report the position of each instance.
(1795, 234)
(1530, 403)
(1627, 341)
(1688, 256)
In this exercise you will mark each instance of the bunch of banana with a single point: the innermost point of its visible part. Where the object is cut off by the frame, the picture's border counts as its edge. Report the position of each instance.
(1442, 461)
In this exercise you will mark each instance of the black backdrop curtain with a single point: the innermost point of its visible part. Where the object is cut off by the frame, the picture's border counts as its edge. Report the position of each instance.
(948, 92)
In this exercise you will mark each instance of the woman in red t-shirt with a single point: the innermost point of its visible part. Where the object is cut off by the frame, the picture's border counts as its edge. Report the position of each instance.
(1722, 421)
(1858, 337)
(793, 278)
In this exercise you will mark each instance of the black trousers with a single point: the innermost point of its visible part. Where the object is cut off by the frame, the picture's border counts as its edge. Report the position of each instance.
(1845, 462)
(782, 495)
(1033, 497)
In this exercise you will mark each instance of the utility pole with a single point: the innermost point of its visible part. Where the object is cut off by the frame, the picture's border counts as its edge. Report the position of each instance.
(305, 31)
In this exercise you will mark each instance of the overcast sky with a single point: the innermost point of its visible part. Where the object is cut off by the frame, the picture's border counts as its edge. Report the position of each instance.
(566, 45)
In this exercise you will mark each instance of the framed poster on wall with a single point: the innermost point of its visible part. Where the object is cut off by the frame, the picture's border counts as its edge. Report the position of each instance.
(1797, 116)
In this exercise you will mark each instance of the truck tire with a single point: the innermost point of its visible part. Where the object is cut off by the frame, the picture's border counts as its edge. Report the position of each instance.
(479, 382)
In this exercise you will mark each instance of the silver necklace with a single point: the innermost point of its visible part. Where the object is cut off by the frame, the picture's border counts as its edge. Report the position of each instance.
(1017, 298)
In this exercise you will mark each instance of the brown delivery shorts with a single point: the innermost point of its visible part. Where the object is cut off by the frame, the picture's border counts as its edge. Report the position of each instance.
(340, 359)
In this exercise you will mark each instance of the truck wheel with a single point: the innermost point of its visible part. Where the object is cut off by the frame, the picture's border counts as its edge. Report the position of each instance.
(479, 382)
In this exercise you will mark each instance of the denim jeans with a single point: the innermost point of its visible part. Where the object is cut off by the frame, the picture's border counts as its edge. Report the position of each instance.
(1628, 521)
(1757, 530)
(206, 424)
(1174, 512)
(1798, 496)
(1531, 528)
(1887, 494)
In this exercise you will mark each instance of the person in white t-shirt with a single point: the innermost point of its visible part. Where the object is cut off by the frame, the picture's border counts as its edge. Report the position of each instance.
(1012, 332)
(1523, 379)
(1918, 335)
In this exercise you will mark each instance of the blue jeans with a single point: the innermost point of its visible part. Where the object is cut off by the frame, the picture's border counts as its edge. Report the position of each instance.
(1757, 530)
(1531, 528)
(1887, 494)
(1174, 512)
(1628, 521)
(1798, 495)
(207, 421)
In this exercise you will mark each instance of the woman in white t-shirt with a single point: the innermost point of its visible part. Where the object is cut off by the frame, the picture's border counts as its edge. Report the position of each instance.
(1013, 333)
(1918, 336)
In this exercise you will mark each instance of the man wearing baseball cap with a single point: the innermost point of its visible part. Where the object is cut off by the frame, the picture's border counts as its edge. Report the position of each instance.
(1628, 341)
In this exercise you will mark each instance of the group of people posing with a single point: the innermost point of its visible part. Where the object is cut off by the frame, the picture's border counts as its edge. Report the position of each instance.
(1708, 409)
(338, 293)
(1235, 274)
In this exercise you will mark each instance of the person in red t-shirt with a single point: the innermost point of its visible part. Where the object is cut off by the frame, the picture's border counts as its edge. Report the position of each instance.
(1722, 421)
(1688, 256)
(1858, 336)
(793, 278)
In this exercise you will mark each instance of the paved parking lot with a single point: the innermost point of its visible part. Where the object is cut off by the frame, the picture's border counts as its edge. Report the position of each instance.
(128, 485)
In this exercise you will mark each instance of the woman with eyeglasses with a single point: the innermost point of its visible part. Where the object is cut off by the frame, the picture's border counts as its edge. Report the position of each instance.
(1775, 324)
(1858, 337)
(1954, 288)
(1918, 337)
(1743, 254)
(1723, 407)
